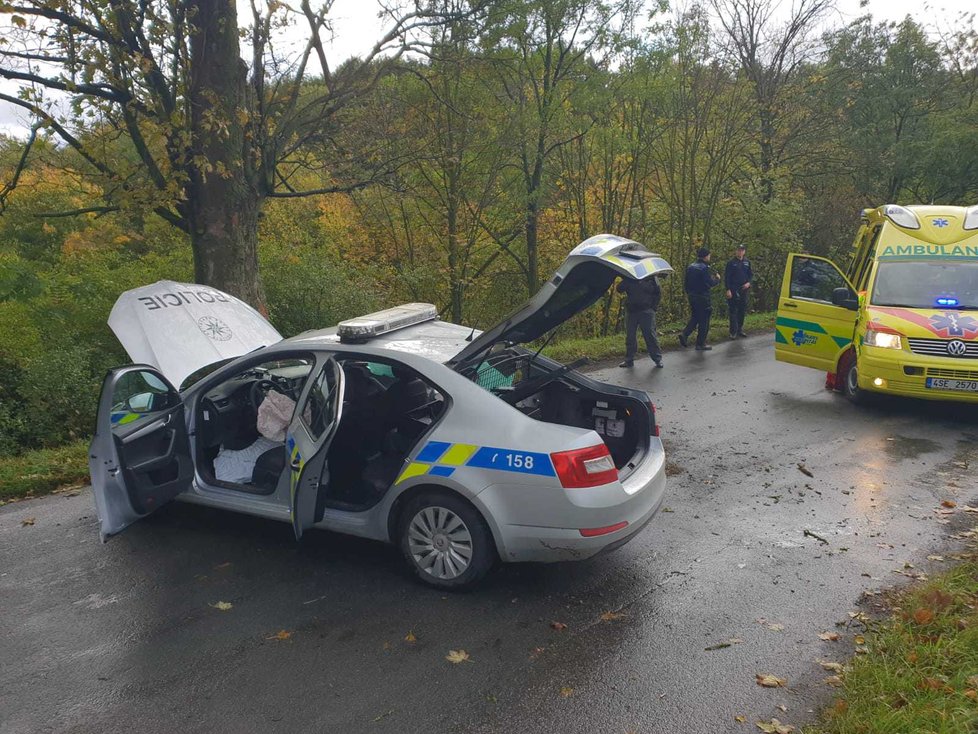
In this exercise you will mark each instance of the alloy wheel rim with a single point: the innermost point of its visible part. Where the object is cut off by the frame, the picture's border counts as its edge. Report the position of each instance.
(440, 543)
(853, 380)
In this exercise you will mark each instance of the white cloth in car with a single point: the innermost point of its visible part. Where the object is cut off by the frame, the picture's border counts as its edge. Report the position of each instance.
(274, 415)
(238, 466)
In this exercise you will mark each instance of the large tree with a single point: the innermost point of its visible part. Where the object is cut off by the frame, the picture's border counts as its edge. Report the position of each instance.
(175, 106)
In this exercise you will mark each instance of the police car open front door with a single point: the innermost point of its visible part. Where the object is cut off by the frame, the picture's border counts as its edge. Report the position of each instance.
(810, 330)
(307, 442)
(140, 456)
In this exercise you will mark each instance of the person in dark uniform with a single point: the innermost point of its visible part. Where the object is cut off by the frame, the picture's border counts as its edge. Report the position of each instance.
(641, 301)
(737, 278)
(698, 283)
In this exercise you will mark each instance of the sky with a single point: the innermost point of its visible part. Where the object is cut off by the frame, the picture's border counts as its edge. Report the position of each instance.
(357, 27)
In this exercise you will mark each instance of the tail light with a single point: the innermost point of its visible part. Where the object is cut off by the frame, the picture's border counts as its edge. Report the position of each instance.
(590, 467)
(655, 423)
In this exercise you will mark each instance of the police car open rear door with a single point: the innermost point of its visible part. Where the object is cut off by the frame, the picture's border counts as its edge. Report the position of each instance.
(816, 313)
(140, 456)
(307, 443)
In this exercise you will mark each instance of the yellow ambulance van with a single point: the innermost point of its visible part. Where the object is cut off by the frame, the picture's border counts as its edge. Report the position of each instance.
(901, 319)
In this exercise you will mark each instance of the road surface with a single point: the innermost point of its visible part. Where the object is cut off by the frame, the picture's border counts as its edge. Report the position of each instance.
(751, 560)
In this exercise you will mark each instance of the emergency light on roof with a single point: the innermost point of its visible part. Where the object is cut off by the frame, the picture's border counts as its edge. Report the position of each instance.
(946, 301)
(971, 218)
(382, 322)
(901, 216)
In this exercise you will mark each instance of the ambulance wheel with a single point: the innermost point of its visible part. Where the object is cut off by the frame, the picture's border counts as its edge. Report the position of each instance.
(445, 541)
(850, 379)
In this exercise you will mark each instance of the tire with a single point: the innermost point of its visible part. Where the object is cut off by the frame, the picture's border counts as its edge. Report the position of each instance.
(445, 541)
(848, 374)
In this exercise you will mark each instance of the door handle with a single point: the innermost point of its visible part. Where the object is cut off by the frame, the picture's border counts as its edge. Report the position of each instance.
(789, 304)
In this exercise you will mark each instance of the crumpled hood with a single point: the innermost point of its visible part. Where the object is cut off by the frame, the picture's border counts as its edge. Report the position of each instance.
(180, 327)
(926, 322)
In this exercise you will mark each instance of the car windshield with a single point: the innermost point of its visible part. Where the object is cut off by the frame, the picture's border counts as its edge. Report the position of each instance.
(927, 284)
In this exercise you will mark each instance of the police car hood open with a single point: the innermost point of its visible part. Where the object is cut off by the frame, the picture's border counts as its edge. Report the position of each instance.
(579, 282)
(180, 327)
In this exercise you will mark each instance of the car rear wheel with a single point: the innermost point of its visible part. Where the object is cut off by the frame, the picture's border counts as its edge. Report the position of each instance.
(445, 541)
(850, 379)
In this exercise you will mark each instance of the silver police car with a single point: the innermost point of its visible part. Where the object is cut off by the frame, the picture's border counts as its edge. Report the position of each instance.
(461, 448)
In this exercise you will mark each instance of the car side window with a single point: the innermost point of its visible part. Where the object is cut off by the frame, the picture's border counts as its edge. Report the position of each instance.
(814, 280)
(140, 393)
(318, 413)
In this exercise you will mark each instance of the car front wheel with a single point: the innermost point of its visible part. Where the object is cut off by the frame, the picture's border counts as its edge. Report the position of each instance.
(850, 379)
(445, 541)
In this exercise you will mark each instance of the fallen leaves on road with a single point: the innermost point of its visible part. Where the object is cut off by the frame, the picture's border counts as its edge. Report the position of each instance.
(770, 681)
(725, 643)
(410, 638)
(281, 635)
(775, 727)
(829, 636)
(558, 626)
(26, 521)
(949, 504)
(457, 656)
(740, 719)
(859, 640)
(834, 667)
(935, 558)
(774, 627)
(834, 681)
(968, 508)
(805, 470)
(612, 616)
(222, 606)
(222, 566)
(566, 692)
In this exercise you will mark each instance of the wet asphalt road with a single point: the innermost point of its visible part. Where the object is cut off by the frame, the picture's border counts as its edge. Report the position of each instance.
(123, 636)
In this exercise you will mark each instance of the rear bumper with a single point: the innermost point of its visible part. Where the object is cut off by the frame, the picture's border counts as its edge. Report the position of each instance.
(635, 501)
(877, 363)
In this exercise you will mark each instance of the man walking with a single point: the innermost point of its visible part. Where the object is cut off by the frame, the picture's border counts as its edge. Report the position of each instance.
(737, 277)
(641, 300)
(698, 283)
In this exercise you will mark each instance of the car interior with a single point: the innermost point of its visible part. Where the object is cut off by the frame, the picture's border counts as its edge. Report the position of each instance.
(387, 409)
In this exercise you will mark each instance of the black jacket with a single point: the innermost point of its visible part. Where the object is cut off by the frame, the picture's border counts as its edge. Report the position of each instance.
(641, 295)
(699, 280)
(737, 273)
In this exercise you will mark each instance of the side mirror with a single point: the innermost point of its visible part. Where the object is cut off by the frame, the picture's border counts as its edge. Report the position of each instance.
(141, 403)
(845, 298)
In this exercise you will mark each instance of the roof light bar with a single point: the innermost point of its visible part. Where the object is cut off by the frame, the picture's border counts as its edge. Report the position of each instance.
(383, 322)
(971, 218)
(901, 216)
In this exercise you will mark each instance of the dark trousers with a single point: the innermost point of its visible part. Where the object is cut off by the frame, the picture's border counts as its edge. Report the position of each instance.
(699, 319)
(644, 320)
(737, 307)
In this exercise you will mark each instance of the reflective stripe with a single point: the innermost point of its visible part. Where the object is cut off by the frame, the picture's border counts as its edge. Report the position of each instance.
(458, 454)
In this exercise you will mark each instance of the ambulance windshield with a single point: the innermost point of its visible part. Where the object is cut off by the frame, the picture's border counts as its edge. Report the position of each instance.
(935, 284)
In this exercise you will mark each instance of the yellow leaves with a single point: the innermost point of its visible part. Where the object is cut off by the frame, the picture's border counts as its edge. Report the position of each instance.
(280, 636)
(829, 636)
(222, 606)
(18, 21)
(775, 727)
(458, 656)
(834, 667)
(923, 616)
(834, 681)
(767, 680)
(859, 640)
(740, 719)
(566, 692)
(612, 616)
(410, 638)
(950, 504)
(26, 522)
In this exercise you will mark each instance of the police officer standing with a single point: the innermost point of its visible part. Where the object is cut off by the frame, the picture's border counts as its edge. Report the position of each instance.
(641, 301)
(737, 278)
(698, 283)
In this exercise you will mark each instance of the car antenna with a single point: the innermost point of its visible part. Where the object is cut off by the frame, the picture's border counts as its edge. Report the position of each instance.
(471, 335)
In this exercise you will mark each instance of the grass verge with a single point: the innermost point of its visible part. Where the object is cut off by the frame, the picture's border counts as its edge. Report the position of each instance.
(920, 672)
(613, 345)
(43, 471)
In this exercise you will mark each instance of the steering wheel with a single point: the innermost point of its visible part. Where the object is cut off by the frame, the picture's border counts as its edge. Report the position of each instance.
(260, 388)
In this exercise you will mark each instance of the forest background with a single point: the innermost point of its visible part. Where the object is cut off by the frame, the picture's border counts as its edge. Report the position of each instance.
(481, 152)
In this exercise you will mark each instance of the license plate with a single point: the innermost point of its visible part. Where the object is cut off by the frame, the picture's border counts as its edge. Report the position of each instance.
(940, 383)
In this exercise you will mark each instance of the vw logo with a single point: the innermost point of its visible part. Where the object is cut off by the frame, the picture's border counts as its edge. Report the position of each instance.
(956, 348)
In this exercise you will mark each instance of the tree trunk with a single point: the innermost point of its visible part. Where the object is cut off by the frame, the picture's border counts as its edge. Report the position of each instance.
(224, 195)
